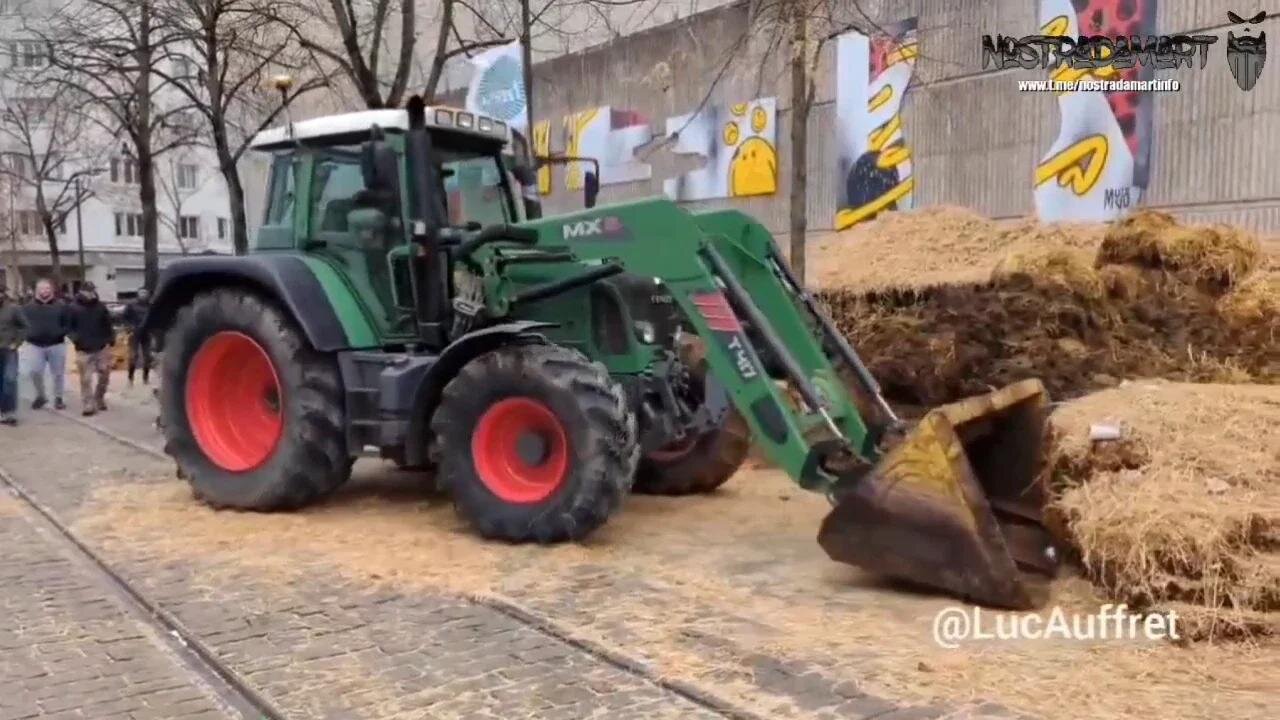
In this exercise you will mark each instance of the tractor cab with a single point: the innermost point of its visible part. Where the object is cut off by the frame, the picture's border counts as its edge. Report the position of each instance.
(344, 191)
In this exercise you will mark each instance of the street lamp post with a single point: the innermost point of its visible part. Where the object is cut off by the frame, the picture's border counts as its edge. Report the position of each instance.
(80, 231)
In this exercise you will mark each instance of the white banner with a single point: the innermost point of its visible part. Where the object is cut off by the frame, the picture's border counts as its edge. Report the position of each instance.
(497, 86)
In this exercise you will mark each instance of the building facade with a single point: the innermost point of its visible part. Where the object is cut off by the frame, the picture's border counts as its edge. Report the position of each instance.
(100, 237)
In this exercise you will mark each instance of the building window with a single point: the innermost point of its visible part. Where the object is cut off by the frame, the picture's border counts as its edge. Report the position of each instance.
(124, 170)
(26, 54)
(222, 228)
(128, 225)
(29, 223)
(189, 227)
(187, 176)
(19, 165)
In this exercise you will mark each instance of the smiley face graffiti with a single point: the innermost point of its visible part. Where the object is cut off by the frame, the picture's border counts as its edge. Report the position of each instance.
(754, 167)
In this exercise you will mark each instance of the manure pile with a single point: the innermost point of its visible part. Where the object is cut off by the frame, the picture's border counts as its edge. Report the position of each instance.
(1171, 332)
(1079, 306)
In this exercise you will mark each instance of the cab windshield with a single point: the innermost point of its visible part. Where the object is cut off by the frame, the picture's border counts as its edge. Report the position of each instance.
(478, 188)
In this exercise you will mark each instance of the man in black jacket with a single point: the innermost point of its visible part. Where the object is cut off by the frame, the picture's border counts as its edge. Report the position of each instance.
(139, 346)
(48, 320)
(93, 336)
(13, 330)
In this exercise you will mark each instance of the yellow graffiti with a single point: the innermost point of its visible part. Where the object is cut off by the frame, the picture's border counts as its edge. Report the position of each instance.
(575, 125)
(754, 168)
(759, 120)
(905, 53)
(893, 156)
(1056, 27)
(542, 148)
(889, 156)
(1068, 73)
(738, 109)
(1079, 166)
(882, 96)
(730, 134)
(848, 217)
(883, 134)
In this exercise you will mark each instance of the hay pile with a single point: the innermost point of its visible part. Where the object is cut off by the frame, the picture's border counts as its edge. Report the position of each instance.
(1081, 307)
(1183, 512)
(933, 246)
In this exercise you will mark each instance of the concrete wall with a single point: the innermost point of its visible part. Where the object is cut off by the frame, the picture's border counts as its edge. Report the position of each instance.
(976, 139)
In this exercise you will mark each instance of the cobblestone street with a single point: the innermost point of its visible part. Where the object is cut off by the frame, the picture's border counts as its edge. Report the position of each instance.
(379, 604)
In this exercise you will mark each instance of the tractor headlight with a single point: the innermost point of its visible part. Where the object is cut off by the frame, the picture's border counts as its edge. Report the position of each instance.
(646, 333)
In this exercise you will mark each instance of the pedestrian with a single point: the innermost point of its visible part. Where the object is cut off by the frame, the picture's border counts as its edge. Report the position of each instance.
(93, 337)
(139, 345)
(13, 331)
(48, 320)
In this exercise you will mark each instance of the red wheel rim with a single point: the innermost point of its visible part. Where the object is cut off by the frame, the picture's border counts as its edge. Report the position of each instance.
(234, 403)
(520, 450)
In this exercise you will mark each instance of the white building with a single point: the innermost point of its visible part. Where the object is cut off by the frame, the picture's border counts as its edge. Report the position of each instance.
(191, 197)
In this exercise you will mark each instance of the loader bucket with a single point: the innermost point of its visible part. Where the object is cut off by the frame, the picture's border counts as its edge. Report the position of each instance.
(956, 504)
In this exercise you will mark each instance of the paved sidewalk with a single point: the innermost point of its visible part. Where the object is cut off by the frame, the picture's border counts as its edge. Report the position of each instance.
(68, 649)
(329, 647)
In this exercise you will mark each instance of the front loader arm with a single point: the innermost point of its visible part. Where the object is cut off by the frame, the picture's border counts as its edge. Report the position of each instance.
(796, 434)
(720, 268)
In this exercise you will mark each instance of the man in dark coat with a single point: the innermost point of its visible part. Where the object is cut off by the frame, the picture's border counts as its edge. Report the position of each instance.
(139, 345)
(48, 320)
(93, 337)
(13, 331)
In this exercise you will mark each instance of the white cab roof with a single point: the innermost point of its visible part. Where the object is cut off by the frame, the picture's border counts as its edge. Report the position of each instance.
(390, 120)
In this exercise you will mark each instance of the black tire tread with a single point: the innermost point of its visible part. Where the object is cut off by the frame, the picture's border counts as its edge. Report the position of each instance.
(610, 465)
(315, 461)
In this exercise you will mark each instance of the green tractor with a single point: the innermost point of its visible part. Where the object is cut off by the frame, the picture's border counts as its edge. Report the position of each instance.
(404, 297)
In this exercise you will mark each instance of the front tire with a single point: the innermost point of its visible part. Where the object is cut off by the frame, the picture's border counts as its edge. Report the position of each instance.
(253, 416)
(536, 443)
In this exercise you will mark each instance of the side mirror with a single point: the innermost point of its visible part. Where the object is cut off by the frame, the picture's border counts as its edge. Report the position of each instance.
(525, 175)
(590, 189)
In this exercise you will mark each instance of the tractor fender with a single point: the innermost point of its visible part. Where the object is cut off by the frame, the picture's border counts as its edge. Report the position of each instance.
(283, 278)
(433, 377)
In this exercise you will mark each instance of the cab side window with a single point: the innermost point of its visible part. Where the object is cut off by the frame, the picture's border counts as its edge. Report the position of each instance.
(277, 226)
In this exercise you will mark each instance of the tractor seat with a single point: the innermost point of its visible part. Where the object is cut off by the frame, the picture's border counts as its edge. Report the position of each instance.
(335, 216)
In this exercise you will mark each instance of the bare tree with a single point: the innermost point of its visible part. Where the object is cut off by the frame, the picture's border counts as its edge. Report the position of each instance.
(372, 34)
(800, 29)
(9, 233)
(47, 159)
(224, 53)
(106, 53)
(450, 42)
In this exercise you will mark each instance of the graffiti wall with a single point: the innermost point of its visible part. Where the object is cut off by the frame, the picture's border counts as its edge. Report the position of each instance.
(1098, 166)
(739, 143)
(611, 137)
(874, 166)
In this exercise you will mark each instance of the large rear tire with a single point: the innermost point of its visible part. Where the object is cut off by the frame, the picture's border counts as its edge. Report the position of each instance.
(702, 463)
(699, 465)
(535, 442)
(253, 416)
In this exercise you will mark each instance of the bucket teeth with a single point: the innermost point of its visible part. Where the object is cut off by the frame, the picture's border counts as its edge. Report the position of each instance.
(957, 504)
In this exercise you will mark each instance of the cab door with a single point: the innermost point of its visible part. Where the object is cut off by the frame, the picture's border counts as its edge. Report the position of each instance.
(361, 240)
